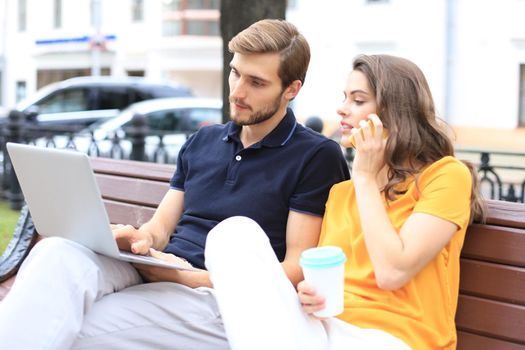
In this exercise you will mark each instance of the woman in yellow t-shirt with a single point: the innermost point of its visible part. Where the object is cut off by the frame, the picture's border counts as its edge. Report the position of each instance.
(402, 218)
(401, 222)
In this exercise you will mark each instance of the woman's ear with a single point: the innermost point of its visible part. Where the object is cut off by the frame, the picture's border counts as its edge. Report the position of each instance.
(292, 90)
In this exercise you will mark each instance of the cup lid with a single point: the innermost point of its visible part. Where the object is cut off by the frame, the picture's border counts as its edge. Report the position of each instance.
(322, 257)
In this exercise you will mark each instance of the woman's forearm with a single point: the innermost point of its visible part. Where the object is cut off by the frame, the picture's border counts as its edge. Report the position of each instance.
(385, 246)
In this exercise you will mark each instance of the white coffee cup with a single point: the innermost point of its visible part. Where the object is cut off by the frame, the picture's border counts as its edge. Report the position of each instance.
(324, 269)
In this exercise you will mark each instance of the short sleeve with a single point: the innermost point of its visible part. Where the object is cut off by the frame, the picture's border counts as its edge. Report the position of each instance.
(179, 178)
(445, 189)
(326, 167)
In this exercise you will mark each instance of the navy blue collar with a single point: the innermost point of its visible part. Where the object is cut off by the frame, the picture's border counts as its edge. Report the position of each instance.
(276, 138)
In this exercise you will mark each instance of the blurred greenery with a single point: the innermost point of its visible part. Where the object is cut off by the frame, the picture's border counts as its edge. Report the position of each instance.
(8, 219)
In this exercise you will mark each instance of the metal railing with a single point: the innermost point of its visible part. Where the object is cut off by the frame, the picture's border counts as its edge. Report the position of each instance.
(502, 174)
(125, 144)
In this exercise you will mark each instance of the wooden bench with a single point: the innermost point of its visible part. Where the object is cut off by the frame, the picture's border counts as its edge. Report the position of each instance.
(491, 310)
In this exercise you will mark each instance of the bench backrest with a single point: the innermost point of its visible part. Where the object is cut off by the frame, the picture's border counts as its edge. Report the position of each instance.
(491, 310)
(131, 190)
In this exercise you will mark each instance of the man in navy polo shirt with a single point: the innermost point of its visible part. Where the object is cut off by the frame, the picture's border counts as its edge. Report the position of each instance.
(262, 165)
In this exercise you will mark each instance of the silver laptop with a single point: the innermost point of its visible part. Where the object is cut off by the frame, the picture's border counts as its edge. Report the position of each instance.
(64, 200)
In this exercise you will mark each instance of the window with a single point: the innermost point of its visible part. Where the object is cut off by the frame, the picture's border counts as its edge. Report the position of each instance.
(199, 117)
(164, 120)
(172, 5)
(198, 27)
(69, 100)
(135, 73)
(172, 27)
(114, 97)
(20, 90)
(57, 15)
(22, 15)
(176, 5)
(203, 4)
(191, 17)
(137, 10)
(521, 119)
(183, 120)
(48, 76)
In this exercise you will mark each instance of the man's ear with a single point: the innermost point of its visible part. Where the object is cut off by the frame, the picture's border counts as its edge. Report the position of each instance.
(292, 90)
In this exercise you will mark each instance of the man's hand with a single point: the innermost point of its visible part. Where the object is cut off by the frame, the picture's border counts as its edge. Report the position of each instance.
(169, 258)
(137, 241)
(192, 279)
(159, 274)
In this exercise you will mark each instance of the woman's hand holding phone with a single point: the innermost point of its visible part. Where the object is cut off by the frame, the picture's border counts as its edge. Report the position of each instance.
(350, 140)
(369, 140)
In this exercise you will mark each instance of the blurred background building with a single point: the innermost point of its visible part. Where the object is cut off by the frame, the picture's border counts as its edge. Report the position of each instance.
(50, 40)
(472, 51)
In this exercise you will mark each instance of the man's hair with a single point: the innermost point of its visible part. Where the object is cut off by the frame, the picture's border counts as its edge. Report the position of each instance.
(276, 36)
(417, 136)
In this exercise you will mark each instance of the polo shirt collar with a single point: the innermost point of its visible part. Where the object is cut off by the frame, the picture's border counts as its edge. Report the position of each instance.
(276, 138)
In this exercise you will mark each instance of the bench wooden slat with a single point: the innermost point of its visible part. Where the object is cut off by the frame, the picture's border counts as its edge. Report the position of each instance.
(123, 213)
(506, 213)
(136, 191)
(494, 281)
(496, 244)
(491, 318)
(469, 341)
(133, 169)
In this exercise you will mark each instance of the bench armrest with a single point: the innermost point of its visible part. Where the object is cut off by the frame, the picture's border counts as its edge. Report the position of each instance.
(24, 237)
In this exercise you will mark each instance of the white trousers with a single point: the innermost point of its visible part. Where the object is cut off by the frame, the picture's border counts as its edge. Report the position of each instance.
(65, 296)
(259, 306)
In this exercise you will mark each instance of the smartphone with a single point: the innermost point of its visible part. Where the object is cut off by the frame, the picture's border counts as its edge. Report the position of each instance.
(349, 141)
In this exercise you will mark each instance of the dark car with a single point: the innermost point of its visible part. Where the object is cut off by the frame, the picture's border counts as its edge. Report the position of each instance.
(84, 100)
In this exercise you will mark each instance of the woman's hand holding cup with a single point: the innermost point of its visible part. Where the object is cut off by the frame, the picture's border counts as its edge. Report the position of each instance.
(323, 269)
(310, 300)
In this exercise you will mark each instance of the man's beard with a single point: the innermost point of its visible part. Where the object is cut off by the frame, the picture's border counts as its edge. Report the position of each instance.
(262, 115)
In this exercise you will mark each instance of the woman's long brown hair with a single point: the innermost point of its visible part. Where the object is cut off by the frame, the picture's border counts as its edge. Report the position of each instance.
(417, 137)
